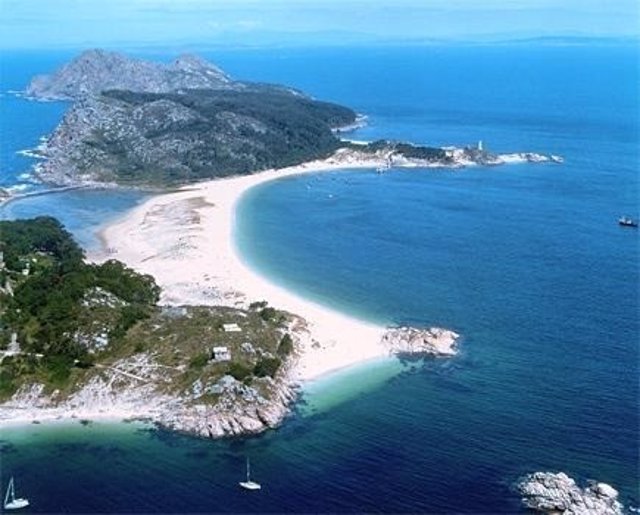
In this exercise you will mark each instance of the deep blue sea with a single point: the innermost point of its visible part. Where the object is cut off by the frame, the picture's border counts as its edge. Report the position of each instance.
(526, 261)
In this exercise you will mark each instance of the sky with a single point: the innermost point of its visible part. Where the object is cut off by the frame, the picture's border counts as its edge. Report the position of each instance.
(237, 23)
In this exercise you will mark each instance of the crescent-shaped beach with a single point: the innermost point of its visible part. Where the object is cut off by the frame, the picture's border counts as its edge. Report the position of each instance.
(185, 239)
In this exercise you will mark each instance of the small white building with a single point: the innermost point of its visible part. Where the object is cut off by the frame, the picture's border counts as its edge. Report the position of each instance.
(221, 354)
(231, 328)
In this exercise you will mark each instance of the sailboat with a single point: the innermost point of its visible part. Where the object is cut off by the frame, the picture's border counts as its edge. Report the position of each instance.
(10, 501)
(248, 484)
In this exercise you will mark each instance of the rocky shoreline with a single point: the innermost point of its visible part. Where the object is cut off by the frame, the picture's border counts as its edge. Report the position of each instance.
(132, 389)
(50, 173)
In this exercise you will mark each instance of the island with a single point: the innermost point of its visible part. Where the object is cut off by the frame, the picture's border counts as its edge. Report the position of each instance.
(135, 122)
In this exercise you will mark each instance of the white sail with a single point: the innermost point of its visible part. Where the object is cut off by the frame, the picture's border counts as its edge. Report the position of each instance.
(10, 501)
(248, 484)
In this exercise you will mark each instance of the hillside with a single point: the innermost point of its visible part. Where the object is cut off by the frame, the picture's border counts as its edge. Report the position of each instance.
(176, 138)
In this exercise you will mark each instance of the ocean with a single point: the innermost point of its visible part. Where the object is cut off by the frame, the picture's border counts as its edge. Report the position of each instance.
(526, 261)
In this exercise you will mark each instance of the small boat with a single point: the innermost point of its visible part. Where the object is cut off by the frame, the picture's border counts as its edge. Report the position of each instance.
(625, 221)
(248, 484)
(10, 500)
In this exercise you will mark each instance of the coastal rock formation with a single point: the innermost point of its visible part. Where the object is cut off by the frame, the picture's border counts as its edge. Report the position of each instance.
(405, 155)
(240, 410)
(175, 138)
(133, 389)
(433, 341)
(557, 493)
(94, 71)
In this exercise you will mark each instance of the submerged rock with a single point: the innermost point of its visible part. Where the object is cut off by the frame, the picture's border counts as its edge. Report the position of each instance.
(558, 493)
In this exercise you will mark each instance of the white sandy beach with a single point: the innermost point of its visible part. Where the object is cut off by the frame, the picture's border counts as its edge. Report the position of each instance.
(185, 240)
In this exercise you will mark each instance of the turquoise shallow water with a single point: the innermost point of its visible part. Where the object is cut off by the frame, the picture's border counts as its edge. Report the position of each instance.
(527, 262)
(83, 212)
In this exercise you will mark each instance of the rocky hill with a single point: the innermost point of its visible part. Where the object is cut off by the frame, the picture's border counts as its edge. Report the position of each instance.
(137, 122)
(95, 71)
(176, 138)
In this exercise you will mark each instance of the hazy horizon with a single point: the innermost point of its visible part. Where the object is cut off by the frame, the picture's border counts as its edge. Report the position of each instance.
(70, 24)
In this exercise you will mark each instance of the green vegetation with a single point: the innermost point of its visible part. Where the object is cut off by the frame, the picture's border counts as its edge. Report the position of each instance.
(404, 149)
(189, 136)
(51, 287)
(198, 361)
(239, 371)
(188, 335)
(75, 320)
(285, 347)
(268, 313)
(267, 367)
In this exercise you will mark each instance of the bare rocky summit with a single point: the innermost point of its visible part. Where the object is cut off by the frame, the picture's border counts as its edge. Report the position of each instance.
(95, 71)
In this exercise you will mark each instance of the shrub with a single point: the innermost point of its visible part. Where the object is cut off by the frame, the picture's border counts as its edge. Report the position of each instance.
(198, 361)
(58, 370)
(85, 362)
(267, 314)
(258, 304)
(267, 367)
(286, 346)
(239, 371)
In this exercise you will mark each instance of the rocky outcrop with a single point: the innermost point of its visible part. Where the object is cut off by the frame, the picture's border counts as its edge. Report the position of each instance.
(136, 388)
(557, 493)
(433, 341)
(94, 71)
(240, 409)
(390, 154)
